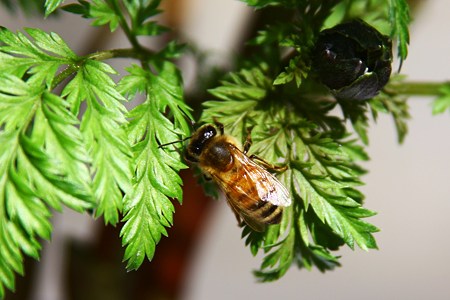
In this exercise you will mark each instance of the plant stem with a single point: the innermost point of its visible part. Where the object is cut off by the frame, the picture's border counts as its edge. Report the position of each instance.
(124, 25)
(418, 88)
(141, 54)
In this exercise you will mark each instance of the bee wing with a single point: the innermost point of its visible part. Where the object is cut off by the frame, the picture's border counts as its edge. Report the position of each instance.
(254, 185)
(239, 213)
(277, 193)
(269, 188)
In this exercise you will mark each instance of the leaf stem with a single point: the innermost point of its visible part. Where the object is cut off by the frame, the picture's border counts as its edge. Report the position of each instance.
(126, 29)
(142, 54)
(415, 88)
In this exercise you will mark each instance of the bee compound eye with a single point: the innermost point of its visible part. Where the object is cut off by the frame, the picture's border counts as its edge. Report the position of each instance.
(353, 60)
(209, 132)
(199, 140)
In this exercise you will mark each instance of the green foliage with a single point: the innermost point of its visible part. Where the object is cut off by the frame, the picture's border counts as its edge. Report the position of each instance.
(264, 3)
(321, 177)
(374, 12)
(103, 12)
(104, 138)
(44, 159)
(67, 139)
(43, 165)
(140, 12)
(55, 153)
(110, 12)
(397, 107)
(442, 102)
(40, 59)
(27, 6)
(291, 124)
(148, 209)
(399, 19)
(51, 6)
(386, 103)
(104, 135)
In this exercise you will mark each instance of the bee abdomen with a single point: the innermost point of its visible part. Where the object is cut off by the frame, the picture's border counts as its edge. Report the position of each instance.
(267, 212)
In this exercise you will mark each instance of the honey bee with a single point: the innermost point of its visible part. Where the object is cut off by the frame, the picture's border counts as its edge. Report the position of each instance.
(254, 194)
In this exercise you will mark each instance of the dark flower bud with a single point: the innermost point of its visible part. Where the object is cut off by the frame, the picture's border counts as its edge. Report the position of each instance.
(353, 60)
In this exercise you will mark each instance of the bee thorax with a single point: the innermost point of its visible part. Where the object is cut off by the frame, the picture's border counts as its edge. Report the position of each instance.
(217, 155)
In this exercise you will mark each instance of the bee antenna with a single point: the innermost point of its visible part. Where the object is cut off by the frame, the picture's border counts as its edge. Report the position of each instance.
(174, 142)
(192, 123)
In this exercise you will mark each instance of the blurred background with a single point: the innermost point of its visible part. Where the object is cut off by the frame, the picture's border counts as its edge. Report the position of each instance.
(204, 256)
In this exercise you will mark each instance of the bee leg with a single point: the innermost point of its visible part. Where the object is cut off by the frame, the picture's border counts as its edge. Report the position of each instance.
(206, 177)
(219, 125)
(248, 140)
(260, 161)
(266, 165)
(240, 222)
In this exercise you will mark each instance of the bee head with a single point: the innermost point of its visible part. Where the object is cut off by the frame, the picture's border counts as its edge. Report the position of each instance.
(198, 141)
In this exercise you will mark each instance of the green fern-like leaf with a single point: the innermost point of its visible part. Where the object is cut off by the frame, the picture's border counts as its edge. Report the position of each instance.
(33, 7)
(147, 206)
(399, 19)
(397, 107)
(103, 12)
(42, 165)
(40, 58)
(264, 3)
(442, 103)
(51, 6)
(322, 177)
(112, 12)
(102, 127)
(141, 12)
